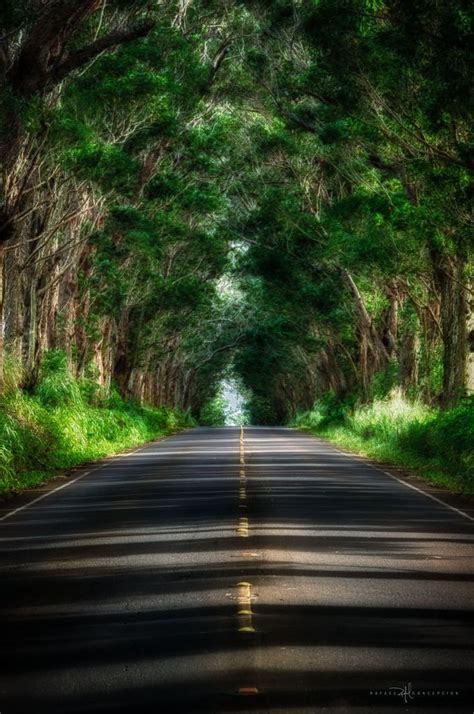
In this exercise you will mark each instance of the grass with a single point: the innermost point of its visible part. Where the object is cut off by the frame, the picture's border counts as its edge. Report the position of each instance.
(439, 446)
(65, 423)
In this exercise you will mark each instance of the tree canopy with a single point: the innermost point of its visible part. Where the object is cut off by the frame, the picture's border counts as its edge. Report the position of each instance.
(281, 189)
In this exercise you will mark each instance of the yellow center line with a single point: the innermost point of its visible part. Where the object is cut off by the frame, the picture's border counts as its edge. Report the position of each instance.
(247, 691)
(244, 607)
(242, 485)
(242, 446)
(244, 596)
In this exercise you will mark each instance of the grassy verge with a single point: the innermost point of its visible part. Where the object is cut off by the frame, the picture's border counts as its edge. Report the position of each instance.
(439, 446)
(66, 423)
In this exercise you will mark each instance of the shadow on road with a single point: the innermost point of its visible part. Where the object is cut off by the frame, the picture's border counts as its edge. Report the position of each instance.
(119, 593)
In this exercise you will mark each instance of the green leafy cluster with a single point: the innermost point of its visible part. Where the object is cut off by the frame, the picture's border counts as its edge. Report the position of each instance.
(64, 424)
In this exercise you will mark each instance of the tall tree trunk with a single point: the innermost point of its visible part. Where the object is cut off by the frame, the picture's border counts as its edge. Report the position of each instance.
(14, 307)
(374, 343)
(409, 347)
(2, 315)
(373, 354)
(449, 276)
(470, 340)
(390, 332)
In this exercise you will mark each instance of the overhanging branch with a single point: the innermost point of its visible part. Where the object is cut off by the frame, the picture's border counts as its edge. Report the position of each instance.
(86, 54)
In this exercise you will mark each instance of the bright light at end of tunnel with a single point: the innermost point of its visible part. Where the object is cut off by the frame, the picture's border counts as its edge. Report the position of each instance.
(234, 399)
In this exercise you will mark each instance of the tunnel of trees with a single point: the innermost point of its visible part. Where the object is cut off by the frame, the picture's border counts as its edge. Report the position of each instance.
(278, 189)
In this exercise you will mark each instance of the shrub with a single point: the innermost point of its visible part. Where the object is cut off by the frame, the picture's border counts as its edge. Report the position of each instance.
(57, 386)
(439, 444)
(447, 438)
(213, 412)
(388, 418)
(328, 410)
(10, 375)
(25, 441)
(59, 427)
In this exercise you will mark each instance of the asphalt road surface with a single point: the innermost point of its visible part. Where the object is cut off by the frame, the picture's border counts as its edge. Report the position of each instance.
(217, 572)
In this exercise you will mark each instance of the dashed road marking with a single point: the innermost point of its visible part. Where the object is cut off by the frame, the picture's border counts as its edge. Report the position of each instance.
(244, 597)
(247, 691)
(243, 527)
(244, 608)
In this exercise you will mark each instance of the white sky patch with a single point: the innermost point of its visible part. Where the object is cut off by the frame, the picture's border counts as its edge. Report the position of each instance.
(235, 402)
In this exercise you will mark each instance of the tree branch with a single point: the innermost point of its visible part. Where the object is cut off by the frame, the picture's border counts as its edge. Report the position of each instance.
(44, 46)
(218, 60)
(224, 348)
(81, 57)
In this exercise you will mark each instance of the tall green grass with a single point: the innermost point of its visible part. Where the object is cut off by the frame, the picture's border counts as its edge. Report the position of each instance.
(66, 422)
(438, 445)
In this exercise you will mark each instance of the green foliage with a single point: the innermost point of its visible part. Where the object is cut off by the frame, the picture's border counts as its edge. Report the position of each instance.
(263, 410)
(363, 169)
(62, 426)
(438, 445)
(447, 438)
(106, 165)
(327, 411)
(213, 413)
(10, 375)
(386, 419)
(386, 381)
(25, 444)
(90, 390)
(56, 386)
(288, 148)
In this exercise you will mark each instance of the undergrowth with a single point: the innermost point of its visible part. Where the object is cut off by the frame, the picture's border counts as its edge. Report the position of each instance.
(66, 422)
(437, 445)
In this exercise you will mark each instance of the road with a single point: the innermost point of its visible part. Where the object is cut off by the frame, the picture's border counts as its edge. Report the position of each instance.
(222, 571)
